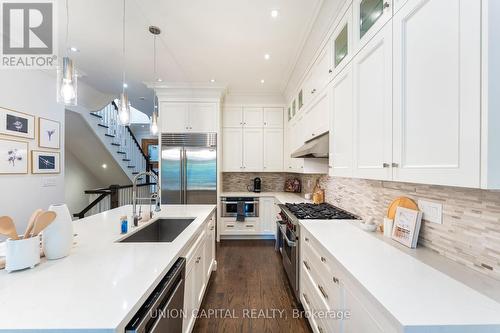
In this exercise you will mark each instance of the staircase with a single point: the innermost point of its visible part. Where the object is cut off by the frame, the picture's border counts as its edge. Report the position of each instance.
(118, 140)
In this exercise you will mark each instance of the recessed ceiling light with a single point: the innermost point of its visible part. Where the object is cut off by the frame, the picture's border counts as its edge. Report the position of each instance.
(159, 79)
(262, 81)
(212, 80)
(125, 85)
(267, 56)
(104, 166)
(74, 49)
(274, 13)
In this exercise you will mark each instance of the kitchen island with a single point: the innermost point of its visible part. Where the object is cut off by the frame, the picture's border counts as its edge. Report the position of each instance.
(102, 283)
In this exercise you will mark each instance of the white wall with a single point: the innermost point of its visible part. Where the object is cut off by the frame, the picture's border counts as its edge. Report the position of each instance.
(77, 179)
(32, 92)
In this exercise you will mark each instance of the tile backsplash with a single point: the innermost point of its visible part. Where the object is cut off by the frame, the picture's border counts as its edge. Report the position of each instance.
(469, 234)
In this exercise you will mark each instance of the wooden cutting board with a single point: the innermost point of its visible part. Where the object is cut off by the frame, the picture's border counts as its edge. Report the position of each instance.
(400, 202)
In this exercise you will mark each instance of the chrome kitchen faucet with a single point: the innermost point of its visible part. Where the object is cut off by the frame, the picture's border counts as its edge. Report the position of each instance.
(155, 196)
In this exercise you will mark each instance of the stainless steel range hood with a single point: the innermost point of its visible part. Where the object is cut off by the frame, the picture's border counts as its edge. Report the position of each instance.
(317, 147)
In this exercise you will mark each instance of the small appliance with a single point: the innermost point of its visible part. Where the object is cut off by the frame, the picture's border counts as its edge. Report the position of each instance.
(257, 185)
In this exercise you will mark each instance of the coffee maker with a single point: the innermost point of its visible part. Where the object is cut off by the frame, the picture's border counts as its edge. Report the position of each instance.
(257, 185)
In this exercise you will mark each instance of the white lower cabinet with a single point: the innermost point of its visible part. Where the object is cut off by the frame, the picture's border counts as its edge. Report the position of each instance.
(200, 261)
(336, 303)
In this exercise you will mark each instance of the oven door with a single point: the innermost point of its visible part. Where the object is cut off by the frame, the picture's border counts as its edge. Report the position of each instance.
(289, 254)
(230, 208)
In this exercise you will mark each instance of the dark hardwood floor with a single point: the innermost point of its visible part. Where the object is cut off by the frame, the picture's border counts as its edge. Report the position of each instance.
(248, 287)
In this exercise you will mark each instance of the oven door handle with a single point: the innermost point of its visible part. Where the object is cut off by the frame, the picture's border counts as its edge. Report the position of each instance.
(285, 237)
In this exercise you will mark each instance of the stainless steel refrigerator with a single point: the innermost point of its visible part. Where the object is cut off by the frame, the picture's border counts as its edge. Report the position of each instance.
(188, 168)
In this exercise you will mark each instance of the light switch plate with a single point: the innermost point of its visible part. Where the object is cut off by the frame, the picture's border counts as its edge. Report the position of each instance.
(432, 211)
(48, 182)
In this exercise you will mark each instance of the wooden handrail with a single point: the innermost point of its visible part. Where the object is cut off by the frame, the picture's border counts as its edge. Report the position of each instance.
(112, 190)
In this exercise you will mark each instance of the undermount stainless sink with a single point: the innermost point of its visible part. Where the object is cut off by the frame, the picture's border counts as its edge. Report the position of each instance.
(161, 230)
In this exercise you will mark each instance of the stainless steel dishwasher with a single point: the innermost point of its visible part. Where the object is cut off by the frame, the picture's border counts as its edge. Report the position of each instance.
(162, 311)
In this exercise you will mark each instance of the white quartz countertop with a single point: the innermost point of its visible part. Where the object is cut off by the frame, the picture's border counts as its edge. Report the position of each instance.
(101, 284)
(418, 296)
(282, 197)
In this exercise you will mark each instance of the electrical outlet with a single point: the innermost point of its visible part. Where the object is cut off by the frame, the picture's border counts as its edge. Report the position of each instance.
(48, 181)
(432, 211)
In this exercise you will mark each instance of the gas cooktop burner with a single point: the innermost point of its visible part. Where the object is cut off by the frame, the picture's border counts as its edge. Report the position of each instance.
(324, 211)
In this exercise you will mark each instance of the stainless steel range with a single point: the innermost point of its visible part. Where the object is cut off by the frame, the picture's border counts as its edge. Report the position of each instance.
(289, 233)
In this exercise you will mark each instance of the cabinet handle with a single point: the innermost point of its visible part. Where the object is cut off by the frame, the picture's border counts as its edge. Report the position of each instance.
(386, 5)
(320, 329)
(212, 228)
(306, 298)
(330, 71)
(323, 259)
(307, 265)
(313, 91)
(330, 167)
(386, 165)
(241, 123)
(335, 280)
(395, 165)
(249, 226)
(325, 295)
(265, 123)
(313, 134)
(230, 226)
(198, 260)
(306, 239)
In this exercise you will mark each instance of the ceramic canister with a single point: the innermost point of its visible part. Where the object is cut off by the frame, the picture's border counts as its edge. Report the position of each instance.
(57, 238)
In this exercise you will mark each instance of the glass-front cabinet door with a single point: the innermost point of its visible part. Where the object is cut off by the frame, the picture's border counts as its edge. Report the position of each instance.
(369, 17)
(342, 42)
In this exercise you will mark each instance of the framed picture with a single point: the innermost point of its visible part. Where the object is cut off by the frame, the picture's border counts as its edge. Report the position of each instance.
(13, 157)
(49, 133)
(45, 162)
(17, 124)
(407, 226)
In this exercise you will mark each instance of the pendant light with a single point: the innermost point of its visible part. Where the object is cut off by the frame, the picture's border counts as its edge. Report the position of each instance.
(66, 75)
(124, 105)
(153, 126)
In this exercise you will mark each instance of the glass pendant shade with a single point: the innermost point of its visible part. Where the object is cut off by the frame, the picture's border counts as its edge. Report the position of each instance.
(124, 110)
(67, 83)
(153, 127)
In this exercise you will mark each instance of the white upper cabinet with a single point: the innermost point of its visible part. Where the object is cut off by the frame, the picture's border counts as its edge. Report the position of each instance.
(232, 151)
(252, 149)
(188, 117)
(437, 63)
(341, 43)
(174, 117)
(202, 117)
(273, 117)
(372, 75)
(253, 117)
(273, 149)
(321, 71)
(341, 135)
(232, 116)
(369, 16)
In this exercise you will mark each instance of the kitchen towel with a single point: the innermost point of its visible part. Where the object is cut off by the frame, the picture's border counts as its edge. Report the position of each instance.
(240, 211)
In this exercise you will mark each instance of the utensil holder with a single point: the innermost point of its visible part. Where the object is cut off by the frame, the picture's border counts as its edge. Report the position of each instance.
(22, 253)
(388, 225)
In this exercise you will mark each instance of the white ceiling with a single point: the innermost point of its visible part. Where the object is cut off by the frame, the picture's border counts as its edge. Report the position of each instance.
(200, 40)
